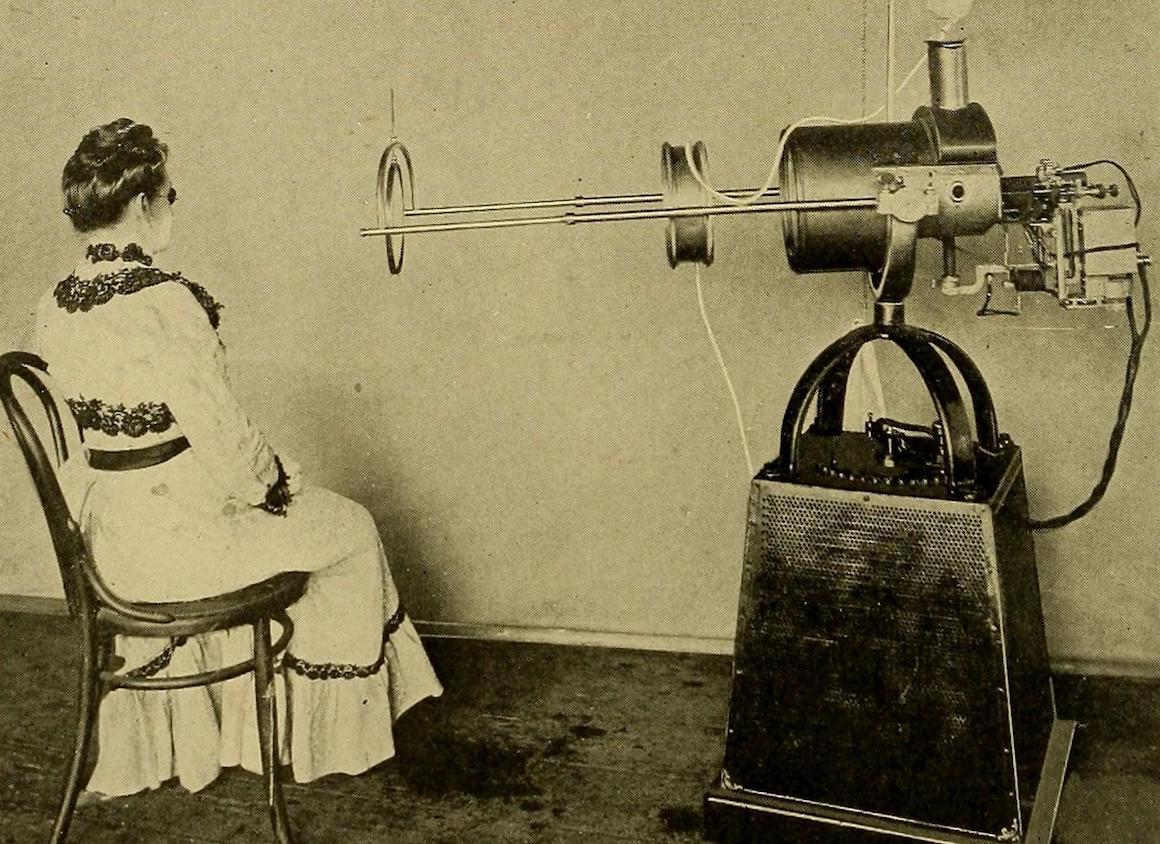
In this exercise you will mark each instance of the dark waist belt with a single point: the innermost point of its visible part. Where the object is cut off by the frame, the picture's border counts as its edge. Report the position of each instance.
(136, 458)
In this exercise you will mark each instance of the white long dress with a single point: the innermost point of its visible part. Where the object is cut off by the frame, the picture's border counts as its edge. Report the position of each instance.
(135, 350)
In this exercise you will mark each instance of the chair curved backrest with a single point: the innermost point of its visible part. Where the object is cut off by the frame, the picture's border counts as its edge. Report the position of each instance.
(71, 552)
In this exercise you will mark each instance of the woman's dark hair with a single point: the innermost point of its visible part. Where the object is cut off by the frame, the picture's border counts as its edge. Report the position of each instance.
(112, 164)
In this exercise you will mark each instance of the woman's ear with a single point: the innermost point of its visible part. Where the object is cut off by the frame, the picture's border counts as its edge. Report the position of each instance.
(137, 210)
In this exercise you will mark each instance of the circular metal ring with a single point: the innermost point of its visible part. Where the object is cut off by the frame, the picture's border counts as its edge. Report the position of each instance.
(395, 213)
(396, 196)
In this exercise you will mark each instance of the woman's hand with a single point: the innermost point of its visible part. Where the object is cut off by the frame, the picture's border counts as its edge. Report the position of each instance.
(280, 492)
(293, 475)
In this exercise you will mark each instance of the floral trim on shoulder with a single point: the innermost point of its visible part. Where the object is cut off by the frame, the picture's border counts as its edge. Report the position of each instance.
(83, 294)
(345, 671)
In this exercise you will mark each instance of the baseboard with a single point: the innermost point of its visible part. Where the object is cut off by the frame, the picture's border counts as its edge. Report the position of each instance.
(34, 604)
(576, 637)
(488, 632)
(1070, 665)
(1085, 667)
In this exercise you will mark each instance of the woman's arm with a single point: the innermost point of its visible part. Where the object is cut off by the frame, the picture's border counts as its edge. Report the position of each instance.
(191, 380)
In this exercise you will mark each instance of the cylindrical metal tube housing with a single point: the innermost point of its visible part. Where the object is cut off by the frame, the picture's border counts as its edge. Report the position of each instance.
(829, 162)
(947, 63)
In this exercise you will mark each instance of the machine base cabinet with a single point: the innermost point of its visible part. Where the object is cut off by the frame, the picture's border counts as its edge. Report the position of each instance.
(890, 670)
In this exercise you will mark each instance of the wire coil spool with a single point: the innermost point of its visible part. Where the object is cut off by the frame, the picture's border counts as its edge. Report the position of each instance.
(396, 196)
(687, 239)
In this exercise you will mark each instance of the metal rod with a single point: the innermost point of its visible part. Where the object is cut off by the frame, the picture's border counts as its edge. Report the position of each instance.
(629, 214)
(575, 202)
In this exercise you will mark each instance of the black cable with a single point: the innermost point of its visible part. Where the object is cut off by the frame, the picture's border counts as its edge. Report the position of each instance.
(1131, 185)
(1117, 436)
(987, 310)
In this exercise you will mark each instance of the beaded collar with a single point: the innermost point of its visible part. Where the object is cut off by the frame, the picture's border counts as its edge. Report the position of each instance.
(83, 294)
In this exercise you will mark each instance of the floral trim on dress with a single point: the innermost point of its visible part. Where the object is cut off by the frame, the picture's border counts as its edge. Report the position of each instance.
(109, 252)
(158, 662)
(114, 419)
(345, 671)
(83, 294)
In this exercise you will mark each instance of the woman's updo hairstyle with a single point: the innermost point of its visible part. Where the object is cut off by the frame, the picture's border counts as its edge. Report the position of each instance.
(112, 164)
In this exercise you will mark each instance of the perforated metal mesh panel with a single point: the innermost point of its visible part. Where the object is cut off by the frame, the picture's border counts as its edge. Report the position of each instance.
(869, 665)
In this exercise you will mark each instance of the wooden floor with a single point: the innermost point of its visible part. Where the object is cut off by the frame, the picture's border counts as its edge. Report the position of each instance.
(530, 743)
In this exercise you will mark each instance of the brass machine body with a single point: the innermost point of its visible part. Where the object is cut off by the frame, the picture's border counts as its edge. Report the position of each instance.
(944, 156)
(829, 162)
(891, 676)
(857, 197)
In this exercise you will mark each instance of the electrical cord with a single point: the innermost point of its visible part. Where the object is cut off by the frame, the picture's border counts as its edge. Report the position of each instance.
(724, 371)
(1117, 436)
(1127, 177)
(986, 310)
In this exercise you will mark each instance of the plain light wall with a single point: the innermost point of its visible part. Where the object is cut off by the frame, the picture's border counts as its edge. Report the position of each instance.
(535, 417)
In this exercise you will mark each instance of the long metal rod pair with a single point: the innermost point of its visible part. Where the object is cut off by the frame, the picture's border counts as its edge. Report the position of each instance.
(628, 214)
(575, 202)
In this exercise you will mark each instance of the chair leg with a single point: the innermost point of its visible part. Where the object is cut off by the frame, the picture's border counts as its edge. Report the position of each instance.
(88, 701)
(268, 730)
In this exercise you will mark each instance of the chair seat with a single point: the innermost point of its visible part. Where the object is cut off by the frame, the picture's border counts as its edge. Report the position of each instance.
(218, 612)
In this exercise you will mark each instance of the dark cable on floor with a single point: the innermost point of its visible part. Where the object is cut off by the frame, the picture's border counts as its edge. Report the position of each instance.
(1138, 337)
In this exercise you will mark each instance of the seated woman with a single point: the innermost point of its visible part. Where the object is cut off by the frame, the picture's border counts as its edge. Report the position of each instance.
(185, 498)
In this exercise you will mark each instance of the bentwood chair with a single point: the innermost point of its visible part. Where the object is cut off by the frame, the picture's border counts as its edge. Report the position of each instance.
(100, 614)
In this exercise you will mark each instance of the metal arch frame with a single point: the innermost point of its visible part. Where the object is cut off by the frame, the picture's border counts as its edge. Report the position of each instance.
(827, 377)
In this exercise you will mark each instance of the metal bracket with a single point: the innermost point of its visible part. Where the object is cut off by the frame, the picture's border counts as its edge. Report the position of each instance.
(892, 283)
(949, 199)
(942, 200)
(907, 193)
(1041, 827)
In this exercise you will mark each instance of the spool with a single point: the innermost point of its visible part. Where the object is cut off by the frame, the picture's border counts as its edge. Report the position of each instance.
(687, 239)
(396, 196)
